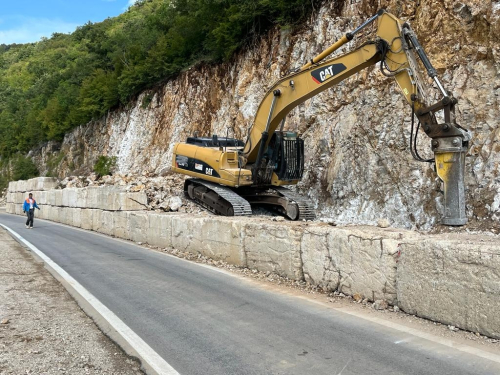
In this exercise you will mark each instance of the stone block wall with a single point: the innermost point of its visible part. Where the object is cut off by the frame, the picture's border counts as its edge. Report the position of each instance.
(354, 260)
(107, 198)
(450, 278)
(35, 184)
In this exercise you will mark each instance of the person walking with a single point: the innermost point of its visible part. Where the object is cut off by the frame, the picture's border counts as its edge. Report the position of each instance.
(29, 207)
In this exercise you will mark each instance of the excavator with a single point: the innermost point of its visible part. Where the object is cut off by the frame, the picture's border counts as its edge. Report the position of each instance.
(228, 175)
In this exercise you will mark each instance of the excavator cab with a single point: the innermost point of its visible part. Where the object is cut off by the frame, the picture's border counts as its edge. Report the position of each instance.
(283, 160)
(288, 155)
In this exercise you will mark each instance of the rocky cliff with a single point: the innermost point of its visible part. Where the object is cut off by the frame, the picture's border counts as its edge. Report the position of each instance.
(358, 165)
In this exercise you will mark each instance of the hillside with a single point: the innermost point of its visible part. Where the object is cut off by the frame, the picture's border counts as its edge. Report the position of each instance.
(358, 165)
(49, 87)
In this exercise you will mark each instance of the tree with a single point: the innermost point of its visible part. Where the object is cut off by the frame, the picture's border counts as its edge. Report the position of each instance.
(104, 165)
(49, 87)
(24, 169)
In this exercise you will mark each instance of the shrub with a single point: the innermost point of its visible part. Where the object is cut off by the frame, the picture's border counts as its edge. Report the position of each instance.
(4, 182)
(53, 162)
(105, 165)
(23, 169)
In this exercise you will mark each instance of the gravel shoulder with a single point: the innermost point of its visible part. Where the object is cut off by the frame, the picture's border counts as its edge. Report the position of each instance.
(42, 329)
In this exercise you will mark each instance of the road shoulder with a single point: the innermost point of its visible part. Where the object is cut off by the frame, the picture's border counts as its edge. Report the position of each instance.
(43, 329)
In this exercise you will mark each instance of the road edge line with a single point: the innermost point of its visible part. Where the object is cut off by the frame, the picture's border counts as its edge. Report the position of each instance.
(151, 362)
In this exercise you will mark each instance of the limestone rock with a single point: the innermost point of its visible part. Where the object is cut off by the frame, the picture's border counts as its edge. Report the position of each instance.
(137, 188)
(380, 304)
(383, 223)
(357, 163)
(463, 287)
(174, 203)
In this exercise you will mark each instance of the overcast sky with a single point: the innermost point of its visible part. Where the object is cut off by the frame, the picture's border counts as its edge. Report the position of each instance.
(24, 21)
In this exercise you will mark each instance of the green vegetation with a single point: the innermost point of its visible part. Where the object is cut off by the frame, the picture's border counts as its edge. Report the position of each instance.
(104, 165)
(49, 87)
(4, 180)
(23, 169)
(4, 183)
(53, 162)
(4, 174)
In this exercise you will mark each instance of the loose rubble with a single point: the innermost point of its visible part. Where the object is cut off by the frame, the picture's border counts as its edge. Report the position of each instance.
(380, 305)
(165, 193)
(383, 223)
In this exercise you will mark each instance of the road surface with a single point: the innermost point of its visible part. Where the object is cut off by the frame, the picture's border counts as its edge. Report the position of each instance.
(205, 321)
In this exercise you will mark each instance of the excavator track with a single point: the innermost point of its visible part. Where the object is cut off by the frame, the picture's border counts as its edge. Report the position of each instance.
(216, 198)
(289, 203)
(306, 209)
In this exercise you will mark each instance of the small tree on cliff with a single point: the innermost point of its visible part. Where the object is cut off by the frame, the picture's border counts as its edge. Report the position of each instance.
(105, 165)
(23, 169)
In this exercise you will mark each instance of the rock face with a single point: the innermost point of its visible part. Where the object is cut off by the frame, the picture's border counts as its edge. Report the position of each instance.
(358, 165)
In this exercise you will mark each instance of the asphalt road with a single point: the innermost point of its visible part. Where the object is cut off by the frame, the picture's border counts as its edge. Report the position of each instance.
(203, 321)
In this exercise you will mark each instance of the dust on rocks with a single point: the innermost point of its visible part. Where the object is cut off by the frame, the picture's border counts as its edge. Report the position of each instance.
(42, 329)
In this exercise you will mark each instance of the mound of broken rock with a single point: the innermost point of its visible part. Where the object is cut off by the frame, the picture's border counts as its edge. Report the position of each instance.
(163, 193)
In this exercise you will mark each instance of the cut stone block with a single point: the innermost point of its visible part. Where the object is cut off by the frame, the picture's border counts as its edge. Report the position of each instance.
(453, 281)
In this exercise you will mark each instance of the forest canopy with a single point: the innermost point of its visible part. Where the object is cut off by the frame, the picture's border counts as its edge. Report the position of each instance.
(49, 87)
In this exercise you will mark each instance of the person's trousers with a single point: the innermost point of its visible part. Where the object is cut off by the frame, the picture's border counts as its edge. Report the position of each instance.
(31, 216)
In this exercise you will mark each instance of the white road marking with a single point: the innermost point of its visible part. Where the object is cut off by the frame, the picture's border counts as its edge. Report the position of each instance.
(341, 371)
(149, 357)
(401, 341)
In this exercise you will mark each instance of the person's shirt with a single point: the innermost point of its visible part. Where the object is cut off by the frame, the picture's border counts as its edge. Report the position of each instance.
(31, 202)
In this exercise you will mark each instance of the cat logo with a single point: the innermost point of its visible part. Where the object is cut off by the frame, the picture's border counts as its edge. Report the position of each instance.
(326, 72)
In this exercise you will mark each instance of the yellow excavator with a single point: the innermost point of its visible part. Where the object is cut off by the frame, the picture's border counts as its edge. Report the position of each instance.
(230, 175)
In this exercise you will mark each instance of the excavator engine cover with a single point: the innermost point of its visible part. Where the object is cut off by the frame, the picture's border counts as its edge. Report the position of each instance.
(214, 142)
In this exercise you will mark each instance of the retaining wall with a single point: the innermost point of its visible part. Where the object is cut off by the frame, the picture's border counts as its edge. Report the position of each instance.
(450, 278)
(109, 198)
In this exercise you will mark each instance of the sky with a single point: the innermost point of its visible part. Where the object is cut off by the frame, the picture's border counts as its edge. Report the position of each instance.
(26, 21)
